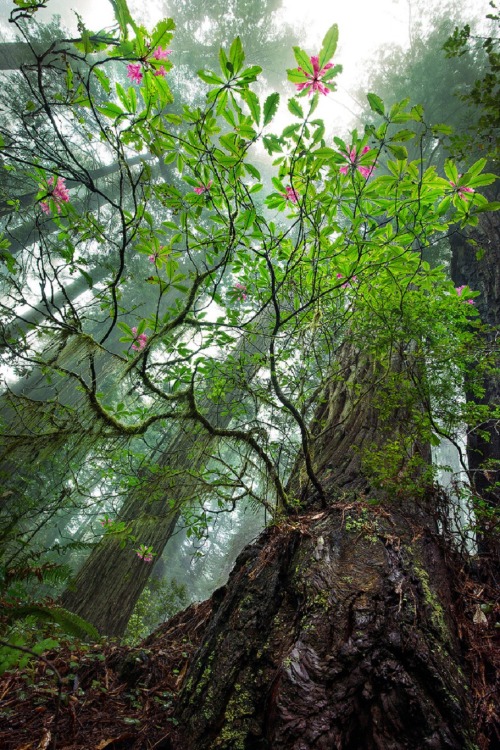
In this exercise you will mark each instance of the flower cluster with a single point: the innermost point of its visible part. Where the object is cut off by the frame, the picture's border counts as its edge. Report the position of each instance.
(203, 188)
(291, 194)
(243, 291)
(134, 72)
(461, 190)
(314, 83)
(145, 553)
(354, 163)
(140, 340)
(58, 192)
(459, 290)
(161, 54)
(106, 522)
(347, 284)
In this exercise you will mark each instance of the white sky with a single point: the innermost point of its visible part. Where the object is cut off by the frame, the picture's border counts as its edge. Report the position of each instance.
(364, 26)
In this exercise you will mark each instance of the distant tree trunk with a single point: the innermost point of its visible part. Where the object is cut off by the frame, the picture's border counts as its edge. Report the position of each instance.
(476, 262)
(336, 628)
(111, 580)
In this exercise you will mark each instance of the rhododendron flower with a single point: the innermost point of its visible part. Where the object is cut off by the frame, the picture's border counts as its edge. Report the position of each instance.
(459, 289)
(153, 258)
(291, 194)
(161, 72)
(161, 54)
(134, 72)
(314, 82)
(203, 188)
(241, 288)
(353, 159)
(461, 189)
(140, 340)
(145, 553)
(470, 301)
(58, 192)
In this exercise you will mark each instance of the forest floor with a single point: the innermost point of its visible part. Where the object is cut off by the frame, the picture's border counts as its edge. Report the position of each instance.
(101, 696)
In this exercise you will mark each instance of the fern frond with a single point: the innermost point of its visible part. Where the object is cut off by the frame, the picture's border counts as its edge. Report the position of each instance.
(69, 623)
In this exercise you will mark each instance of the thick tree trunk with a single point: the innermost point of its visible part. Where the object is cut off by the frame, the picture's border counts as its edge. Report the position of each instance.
(336, 629)
(476, 262)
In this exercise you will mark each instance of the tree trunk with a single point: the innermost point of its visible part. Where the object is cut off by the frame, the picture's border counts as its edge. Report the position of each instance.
(107, 587)
(336, 628)
(476, 262)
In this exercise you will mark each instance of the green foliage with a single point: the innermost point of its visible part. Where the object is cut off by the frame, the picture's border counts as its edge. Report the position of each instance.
(215, 251)
(159, 601)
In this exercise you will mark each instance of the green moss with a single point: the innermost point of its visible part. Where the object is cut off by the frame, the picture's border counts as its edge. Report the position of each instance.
(237, 717)
(437, 612)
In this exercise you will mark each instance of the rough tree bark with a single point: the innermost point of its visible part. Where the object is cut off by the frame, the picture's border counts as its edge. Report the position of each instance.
(336, 628)
(476, 262)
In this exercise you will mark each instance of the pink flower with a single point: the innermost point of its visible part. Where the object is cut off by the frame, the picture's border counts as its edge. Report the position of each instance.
(470, 301)
(140, 340)
(106, 522)
(242, 288)
(160, 72)
(58, 192)
(461, 189)
(459, 289)
(134, 72)
(314, 82)
(153, 258)
(203, 188)
(353, 159)
(291, 194)
(161, 54)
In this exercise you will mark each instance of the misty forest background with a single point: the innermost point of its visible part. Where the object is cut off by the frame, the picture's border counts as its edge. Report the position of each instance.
(159, 378)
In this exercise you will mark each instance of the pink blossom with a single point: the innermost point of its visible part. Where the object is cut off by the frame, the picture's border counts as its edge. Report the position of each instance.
(161, 54)
(340, 276)
(153, 258)
(242, 288)
(145, 557)
(160, 72)
(58, 192)
(140, 340)
(461, 189)
(203, 188)
(470, 301)
(134, 72)
(353, 159)
(106, 522)
(459, 289)
(291, 194)
(314, 82)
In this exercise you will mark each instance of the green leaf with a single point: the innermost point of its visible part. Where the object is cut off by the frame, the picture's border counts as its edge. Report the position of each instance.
(329, 45)
(236, 55)
(253, 104)
(303, 60)
(110, 110)
(208, 77)
(295, 108)
(376, 103)
(271, 107)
